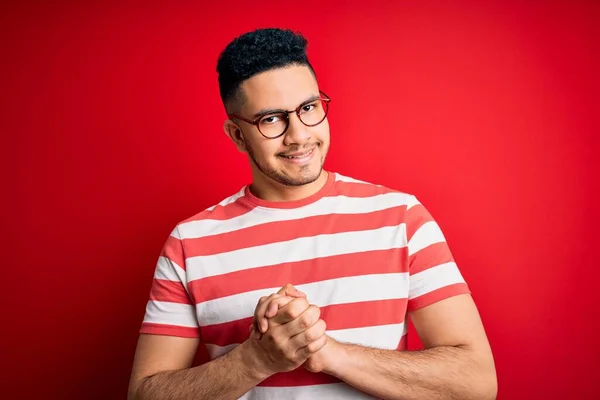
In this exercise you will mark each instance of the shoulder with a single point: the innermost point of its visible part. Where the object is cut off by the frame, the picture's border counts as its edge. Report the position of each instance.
(355, 188)
(205, 221)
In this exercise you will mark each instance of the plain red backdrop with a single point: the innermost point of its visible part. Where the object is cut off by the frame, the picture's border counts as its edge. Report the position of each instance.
(111, 129)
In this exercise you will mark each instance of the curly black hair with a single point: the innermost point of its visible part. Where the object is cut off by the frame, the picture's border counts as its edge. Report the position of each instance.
(255, 52)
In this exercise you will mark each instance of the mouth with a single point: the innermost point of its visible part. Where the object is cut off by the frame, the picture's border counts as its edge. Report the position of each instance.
(299, 158)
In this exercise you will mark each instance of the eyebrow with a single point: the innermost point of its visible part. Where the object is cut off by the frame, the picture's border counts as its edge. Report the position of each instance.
(266, 111)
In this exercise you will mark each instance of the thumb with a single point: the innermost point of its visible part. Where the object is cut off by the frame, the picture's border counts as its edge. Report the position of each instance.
(290, 290)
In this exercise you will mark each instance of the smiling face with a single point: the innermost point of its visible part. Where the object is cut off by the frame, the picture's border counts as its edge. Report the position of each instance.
(296, 158)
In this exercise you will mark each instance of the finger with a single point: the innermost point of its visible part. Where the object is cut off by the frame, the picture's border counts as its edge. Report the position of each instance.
(304, 321)
(260, 301)
(285, 288)
(276, 304)
(261, 309)
(272, 310)
(312, 348)
(310, 335)
(272, 304)
(296, 293)
(290, 311)
(254, 333)
(290, 290)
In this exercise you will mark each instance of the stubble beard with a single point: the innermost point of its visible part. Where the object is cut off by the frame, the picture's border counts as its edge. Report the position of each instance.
(305, 175)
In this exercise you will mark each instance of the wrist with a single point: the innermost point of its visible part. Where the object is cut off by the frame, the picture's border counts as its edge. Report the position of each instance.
(252, 358)
(337, 356)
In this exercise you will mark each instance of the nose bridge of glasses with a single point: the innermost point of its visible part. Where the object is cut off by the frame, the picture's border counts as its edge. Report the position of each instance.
(288, 120)
(297, 117)
(292, 128)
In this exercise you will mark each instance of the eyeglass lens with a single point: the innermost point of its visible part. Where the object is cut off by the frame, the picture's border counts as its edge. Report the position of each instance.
(311, 114)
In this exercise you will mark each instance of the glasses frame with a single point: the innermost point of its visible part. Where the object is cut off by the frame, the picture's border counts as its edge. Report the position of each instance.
(256, 121)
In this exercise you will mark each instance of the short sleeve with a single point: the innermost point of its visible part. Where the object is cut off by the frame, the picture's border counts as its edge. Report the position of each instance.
(170, 310)
(434, 275)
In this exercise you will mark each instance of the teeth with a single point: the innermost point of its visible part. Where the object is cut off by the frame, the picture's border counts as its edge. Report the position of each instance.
(300, 156)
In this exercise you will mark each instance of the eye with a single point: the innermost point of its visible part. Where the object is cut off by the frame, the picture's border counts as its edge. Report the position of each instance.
(308, 108)
(270, 119)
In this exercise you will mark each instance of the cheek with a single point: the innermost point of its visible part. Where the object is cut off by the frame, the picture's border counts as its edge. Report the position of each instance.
(263, 150)
(322, 132)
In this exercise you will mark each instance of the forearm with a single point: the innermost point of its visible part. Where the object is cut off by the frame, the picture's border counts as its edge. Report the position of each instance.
(227, 377)
(444, 372)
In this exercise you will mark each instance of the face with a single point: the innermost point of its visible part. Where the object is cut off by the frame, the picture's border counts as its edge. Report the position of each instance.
(296, 158)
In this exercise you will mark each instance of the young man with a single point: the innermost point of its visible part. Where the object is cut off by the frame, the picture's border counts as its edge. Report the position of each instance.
(361, 258)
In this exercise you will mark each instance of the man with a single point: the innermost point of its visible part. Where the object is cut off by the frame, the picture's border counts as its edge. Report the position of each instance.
(353, 261)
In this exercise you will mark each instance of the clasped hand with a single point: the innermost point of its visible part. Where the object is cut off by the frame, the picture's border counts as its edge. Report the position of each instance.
(290, 331)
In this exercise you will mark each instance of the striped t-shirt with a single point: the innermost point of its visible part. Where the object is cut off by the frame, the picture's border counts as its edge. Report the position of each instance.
(365, 254)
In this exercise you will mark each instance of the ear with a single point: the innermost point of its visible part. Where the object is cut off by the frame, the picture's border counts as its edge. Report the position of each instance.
(233, 131)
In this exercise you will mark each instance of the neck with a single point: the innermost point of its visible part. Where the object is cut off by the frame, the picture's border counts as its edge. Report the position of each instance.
(270, 190)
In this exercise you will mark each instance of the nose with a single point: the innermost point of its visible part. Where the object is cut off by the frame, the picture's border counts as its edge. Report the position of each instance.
(297, 133)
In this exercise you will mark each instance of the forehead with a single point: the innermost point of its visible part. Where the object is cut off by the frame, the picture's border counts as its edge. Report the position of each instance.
(279, 88)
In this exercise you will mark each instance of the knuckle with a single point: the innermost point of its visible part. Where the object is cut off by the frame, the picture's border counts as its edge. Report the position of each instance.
(312, 347)
(312, 314)
(298, 306)
(304, 321)
(315, 346)
(316, 331)
(282, 300)
(290, 357)
(292, 312)
(274, 339)
(319, 328)
(314, 311)
(302, 302)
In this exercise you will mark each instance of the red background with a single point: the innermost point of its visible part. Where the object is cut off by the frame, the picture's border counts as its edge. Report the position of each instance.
(111, 125)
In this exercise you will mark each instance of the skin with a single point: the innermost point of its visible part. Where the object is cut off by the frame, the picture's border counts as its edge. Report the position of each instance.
(162, 364)
(275, 178)
(457, 362)
(161, 368)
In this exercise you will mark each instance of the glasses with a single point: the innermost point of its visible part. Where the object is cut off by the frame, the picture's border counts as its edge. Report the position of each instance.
(274, 124)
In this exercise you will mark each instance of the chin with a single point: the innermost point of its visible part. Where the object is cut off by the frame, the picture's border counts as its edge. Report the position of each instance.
(292, 174)
(304, 174)
(298, 177)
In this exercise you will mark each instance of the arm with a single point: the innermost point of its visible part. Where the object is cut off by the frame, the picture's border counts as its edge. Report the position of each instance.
(170, 338)
(162, 363)
(161, 370)
(457, 362)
